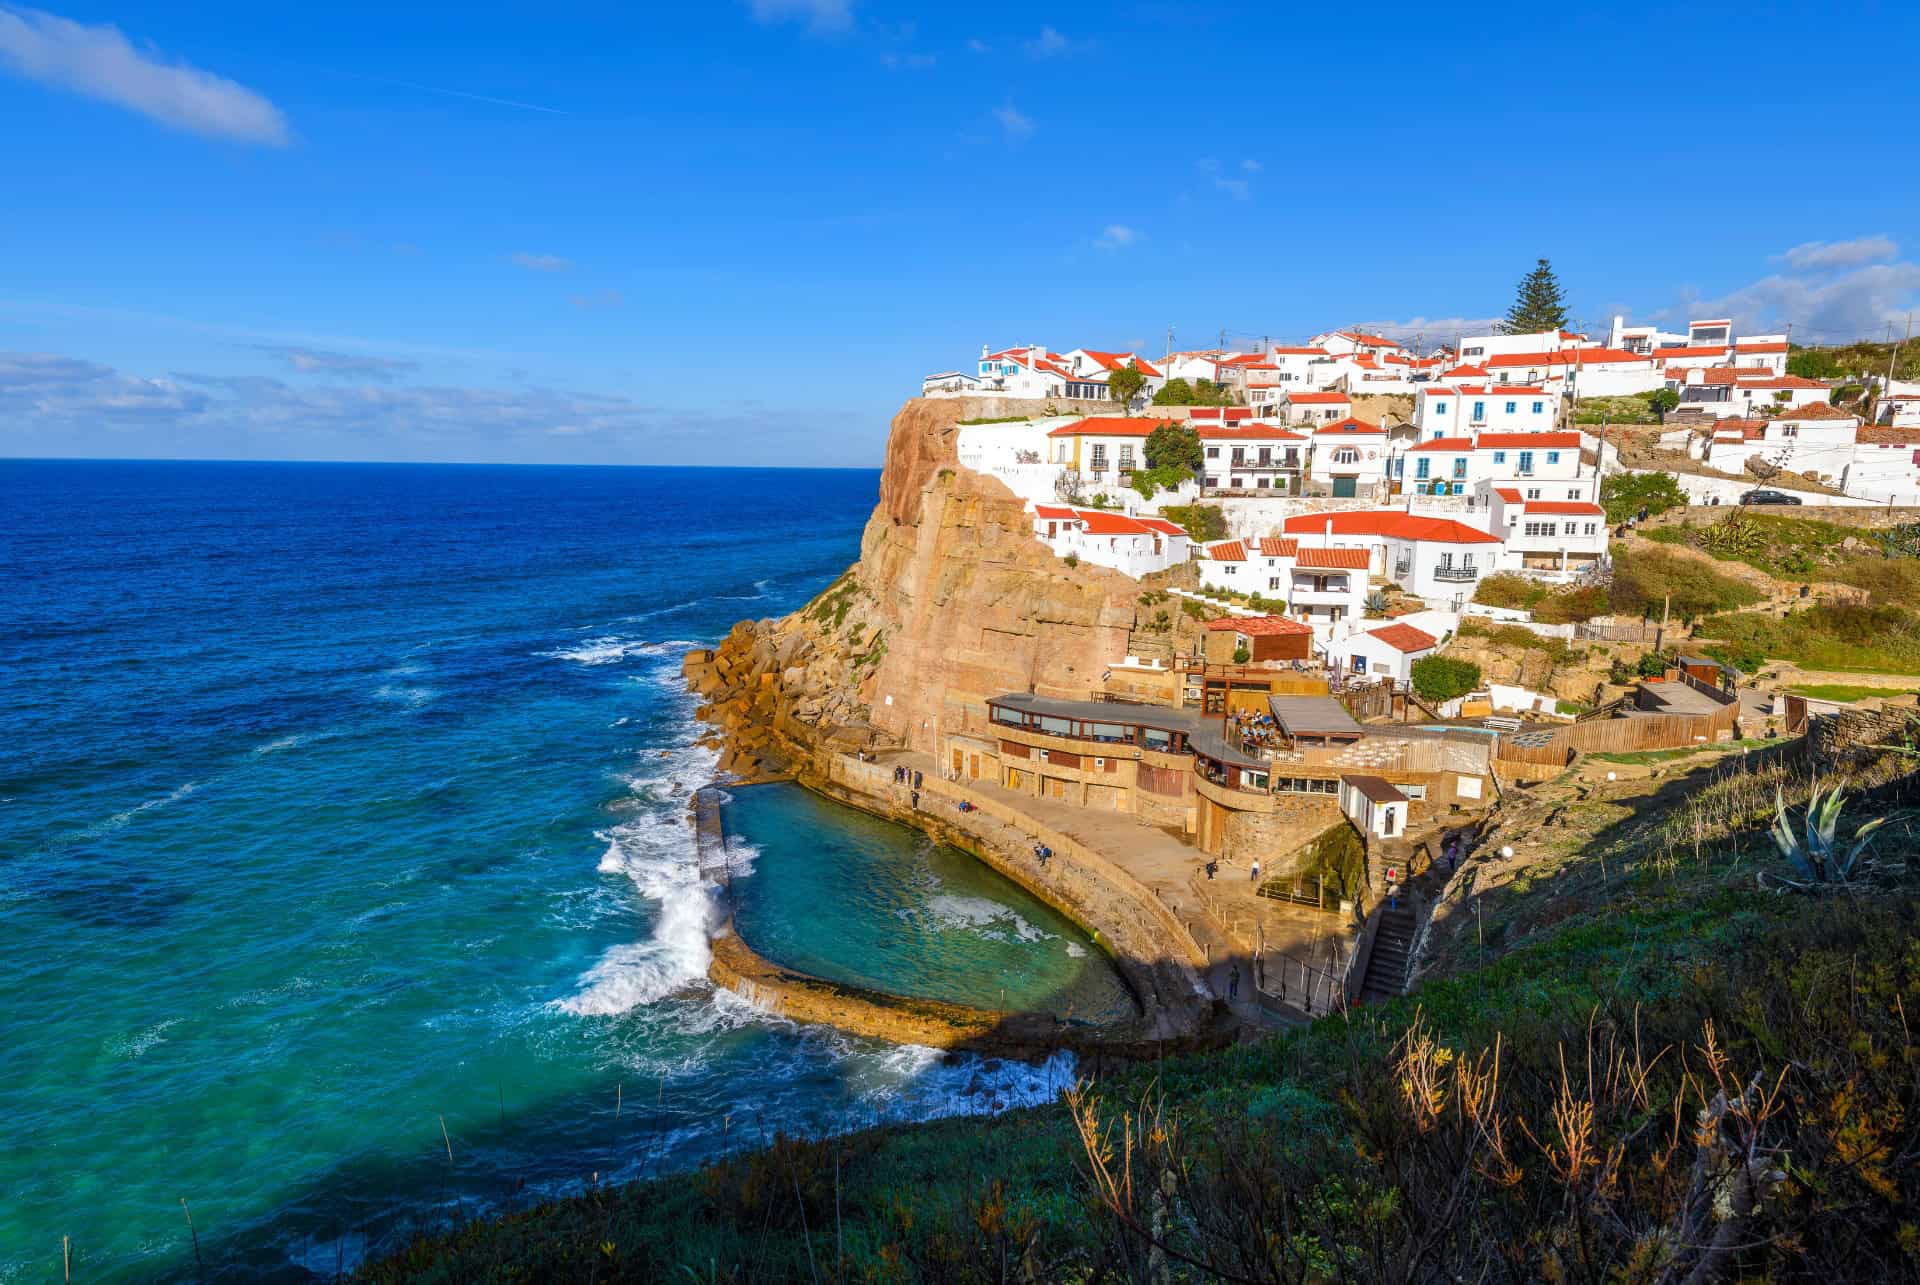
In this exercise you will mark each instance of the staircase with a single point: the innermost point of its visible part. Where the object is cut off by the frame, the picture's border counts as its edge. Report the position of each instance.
(1386, 975)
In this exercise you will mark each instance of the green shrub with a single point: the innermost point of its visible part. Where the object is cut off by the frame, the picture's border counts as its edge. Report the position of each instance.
(1644, 578)
(1241, 655)
(1441, 678)
(1623, 495)
(1204, 522)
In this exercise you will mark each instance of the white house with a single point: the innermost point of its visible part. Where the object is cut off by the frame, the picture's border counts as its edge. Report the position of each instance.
(1134, 546)
(1641, 340)
(1250, 456)
(1723, 391)
(1582, 372)
(1387, 651)
(1313, 407)
(1438, 466)
(1029, 371)
(1477, 349)
(1815, 439)
(1437, 559)
(1320, 586)
(1900, 410)
(1886, 466)
(1092, 366)
(1524, 456)
(1558, 535)
(1375, 804)
(1345, 343)
(1687, 357)
(1350, 457)
(1766, 351)
(1103, 449)
(1450, 410)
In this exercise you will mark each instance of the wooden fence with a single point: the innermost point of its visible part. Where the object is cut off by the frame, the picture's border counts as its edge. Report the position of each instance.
(1623, 736)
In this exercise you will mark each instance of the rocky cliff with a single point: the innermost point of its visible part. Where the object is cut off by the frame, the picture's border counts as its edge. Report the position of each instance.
(953, 600)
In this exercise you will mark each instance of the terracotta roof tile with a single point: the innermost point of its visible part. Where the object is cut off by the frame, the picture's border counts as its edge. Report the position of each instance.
(1404, 637)
(1334, 559)
(1259, 626)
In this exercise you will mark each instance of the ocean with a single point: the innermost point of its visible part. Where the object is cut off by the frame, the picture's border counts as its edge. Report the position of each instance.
(346, 881)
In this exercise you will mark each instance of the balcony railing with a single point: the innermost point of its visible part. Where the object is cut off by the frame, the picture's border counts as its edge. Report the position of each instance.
(1456, 575)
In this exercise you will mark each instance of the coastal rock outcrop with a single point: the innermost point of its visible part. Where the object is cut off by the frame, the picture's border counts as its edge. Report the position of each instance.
(953, 600)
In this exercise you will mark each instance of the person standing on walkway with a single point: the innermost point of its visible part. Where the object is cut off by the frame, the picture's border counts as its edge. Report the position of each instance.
(916, 780)
(916, 800)
(1233, 983)
(1254, 872)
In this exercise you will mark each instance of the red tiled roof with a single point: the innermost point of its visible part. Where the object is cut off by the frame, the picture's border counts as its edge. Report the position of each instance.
(1754, 346)
(1108, 426)
(1297, 352)
(1563, 357)
(1526, 441)
(1053, 512)
(1508, 493)
(1883, 436)
(1163, 526)
(1666, 354)
(1466, 372)
(1387, 522)
(1221, 412)
(1562, 506)
(1446, 444)
(1371, 341)
(1227, 551)
(1118, 360)
(1348, 427)
(1274, 547)
(1317, 399)
(1812, 410)
(1495, 390)
(1260, 626)
(1334, 559)
(1248, 432)
(1404, 637)
(1102, 523)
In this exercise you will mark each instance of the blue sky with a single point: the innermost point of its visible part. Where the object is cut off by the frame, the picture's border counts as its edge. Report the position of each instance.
(740, 233)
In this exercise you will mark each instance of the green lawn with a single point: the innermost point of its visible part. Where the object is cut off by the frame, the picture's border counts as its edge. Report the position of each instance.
(1641, 758)
(1843, 691)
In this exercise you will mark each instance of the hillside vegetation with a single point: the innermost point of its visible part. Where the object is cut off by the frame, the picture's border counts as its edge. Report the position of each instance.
(1658, 1073)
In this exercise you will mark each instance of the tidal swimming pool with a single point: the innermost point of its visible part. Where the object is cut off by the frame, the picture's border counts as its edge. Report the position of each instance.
(851, 898)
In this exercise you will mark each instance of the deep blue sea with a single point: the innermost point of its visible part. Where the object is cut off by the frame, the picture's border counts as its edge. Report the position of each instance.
(341, 803)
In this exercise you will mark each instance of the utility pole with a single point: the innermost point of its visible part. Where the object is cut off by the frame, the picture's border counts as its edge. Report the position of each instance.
(1169, 341)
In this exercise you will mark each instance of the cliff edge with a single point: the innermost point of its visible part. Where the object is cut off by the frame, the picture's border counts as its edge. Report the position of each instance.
(953, 600)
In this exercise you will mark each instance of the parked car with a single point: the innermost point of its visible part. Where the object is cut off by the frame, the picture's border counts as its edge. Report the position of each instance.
(1764, 496)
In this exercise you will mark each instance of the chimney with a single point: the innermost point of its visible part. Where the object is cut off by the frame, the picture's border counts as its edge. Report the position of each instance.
(984, 350)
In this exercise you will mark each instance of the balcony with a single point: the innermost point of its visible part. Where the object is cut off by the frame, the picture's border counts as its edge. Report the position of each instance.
(1307, 595)
(1456, 575)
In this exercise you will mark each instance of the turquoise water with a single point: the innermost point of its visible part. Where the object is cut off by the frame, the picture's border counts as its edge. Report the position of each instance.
(851, 898)
(339, 801)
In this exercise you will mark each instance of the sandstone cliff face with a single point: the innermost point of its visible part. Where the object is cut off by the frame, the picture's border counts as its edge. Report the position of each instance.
(953, 600)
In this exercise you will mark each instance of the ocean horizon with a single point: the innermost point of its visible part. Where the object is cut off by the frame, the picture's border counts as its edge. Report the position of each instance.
(344, 804)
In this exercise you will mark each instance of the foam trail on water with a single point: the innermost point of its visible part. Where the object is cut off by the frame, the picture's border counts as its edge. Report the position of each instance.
(984, 917)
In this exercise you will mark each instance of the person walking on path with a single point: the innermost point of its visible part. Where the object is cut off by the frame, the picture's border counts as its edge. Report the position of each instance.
(916, 800)
(1254, 872)
(916, 780)
(1233, 983)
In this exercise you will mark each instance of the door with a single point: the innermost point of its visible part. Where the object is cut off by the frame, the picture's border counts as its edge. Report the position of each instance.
(973, 767)
(1345, 488)
(959, 758)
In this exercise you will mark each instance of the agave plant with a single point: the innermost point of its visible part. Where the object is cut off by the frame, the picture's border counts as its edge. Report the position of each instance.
(1818, 852)
(1377, 603)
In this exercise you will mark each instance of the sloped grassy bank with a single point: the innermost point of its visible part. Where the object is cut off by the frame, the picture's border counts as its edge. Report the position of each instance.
(1538, 1118)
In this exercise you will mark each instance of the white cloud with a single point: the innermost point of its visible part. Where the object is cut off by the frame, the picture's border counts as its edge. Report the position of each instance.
(1011, 120)
(1815, 255)
(44, 391)
(597, 300)
(1116, 236)
(540, 262)
(1251, 166)
(906, 62)
(320, 361)
(1237, 188)
(1823, 306)
(979, 46)
(1048, 44)
(819, 15)
(100, 63)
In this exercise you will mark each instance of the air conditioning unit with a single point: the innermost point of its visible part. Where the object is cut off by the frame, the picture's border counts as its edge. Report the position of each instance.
(1100, 763)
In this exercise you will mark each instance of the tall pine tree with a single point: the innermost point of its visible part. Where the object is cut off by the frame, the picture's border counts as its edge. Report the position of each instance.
(1539, 305)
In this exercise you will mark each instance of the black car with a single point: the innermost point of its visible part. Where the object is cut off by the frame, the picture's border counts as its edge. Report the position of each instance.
(1764, 496)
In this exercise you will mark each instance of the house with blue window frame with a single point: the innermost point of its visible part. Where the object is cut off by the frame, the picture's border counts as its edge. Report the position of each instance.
(1467, 409)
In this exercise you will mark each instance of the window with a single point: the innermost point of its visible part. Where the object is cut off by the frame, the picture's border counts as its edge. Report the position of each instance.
(1512, 407)
(1126, 458)
(1411, 791)
(1499, 457)
(1459, 466)
(1479, 412)
(1359, 664)
(1273, 582)
(1533, 493)
(1553, 457)
(1346, 455)
(1540, 528)
(1526, 462)
(1537, 408)
(1229, 569)
(1212, 479)
(1420, 469)
(1592, 528)
(1099, 460)
(1439, 408)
